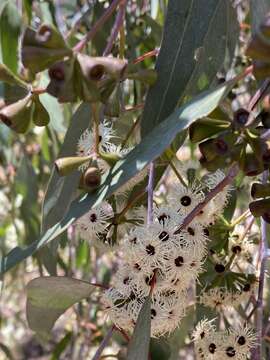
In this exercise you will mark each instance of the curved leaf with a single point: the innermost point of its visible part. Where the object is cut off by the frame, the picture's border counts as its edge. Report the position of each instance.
(195, 38)
(49, 297)
(149, 149)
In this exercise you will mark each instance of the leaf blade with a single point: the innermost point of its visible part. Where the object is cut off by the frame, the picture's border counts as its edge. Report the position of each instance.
(138, 348)
(181, 62)
(49, 297)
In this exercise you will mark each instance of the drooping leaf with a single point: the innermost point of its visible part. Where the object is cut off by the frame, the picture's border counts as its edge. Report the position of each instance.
(138, 348)
(10, 26)
(49, 297)
(192, 51)
(149, 149)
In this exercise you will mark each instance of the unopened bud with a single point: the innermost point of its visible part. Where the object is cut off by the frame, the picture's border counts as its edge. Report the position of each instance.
(41, 116)
(92, 178)
(259, 190)
(260, 207)
(66, 165)
(17, 116)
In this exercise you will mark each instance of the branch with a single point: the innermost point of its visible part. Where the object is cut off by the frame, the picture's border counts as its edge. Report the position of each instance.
(150, 191)
(104, 343)
(220, 186)
(97, 26)
(116, 27)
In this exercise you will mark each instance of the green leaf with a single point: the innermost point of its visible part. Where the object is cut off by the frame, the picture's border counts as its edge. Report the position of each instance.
(138, 348)
(192, 51)
(49, 297)
(149, 149)
(10, 26)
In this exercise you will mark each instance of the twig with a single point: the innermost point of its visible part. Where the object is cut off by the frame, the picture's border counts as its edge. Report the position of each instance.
(257, 352)
(146, 55)
(97, 26)
(104, 343)
(95, 112)
(220, 186)
(38, 91)
(150, 190)
(125, 335)
(116, 28)
(260, 93)
(130, 132)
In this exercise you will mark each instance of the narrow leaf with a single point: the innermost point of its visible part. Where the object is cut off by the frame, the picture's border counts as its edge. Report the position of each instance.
(49, 297)
(10, 26)
(186, 67)
(149, 149)
(138, 348)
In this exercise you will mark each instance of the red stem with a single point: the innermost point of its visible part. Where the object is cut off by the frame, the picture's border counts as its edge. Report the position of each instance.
(97, 26)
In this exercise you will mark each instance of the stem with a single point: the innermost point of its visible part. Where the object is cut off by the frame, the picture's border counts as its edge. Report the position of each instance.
(135, 198)
(125, 335)
(146, 55)
(220, 186)
(116, 28)
(150, 191)
(130, 132)
(240, 218)
(95, 111)
(38, 91)
(97, 26)
(182, 181)
(259, 306)
(104, 343)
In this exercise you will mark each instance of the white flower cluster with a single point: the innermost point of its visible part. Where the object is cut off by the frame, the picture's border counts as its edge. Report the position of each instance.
(163, 260)
(218, 297)
(211, 344)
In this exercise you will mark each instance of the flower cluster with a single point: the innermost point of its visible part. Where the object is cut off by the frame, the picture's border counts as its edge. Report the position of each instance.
(211, 344)
(163, 260)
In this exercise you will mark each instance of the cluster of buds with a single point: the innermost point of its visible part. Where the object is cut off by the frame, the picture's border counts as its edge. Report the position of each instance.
(211, 344)
(163, 259)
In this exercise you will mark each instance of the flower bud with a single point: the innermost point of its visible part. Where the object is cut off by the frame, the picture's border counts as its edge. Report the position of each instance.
(264, 116)
(92, 178)
(17, 116)
(240, 117)
(250, 164)
(42, 48)
(63, 81)
(40, 114)
(205, 128)
(48, 36)
(66, 165)
(259, 190)
(260, 207)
